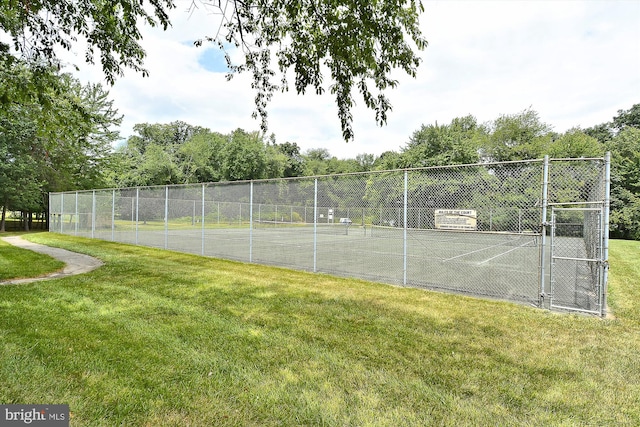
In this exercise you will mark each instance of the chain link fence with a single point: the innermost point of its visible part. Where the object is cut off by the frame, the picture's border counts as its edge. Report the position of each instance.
(475, 229)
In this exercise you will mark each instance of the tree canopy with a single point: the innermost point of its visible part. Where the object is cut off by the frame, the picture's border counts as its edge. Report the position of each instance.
(53, 139)
(358, 44)
(456, 143)
(39, 29)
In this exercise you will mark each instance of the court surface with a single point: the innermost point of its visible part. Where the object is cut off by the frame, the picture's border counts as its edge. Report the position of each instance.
(497, 265)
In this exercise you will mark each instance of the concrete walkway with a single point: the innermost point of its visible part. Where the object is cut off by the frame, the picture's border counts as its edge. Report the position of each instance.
(75, 263)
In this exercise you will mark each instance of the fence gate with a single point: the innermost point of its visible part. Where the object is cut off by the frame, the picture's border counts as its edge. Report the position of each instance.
(577, 259)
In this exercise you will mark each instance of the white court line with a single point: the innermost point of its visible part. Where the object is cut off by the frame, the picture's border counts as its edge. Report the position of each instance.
(473, 252)
(504, 253)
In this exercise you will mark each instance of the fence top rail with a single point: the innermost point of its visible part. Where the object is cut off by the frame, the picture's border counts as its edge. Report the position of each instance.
(574, 159)
(424, 168)
(585, 202)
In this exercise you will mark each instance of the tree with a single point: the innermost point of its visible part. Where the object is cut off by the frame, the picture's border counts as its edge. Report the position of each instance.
(602, 132)
(388, 160)
(77, 135)
(365, 161)
(50, 140)
(625, 184)
(627, 118)
(320, 154)
(158, 167)
(315, 161)
(605, 132)
(574, 144)
(21, 151)
(519, 136)
(295, 163)
(171, 135)
(319, 161)
(438, 145)
(19, 175)
(359, 43)
(179, 153)
(621, 137)
(171, 153)
(243, 157)
(111, 29)
(200, 157)
(276, 162)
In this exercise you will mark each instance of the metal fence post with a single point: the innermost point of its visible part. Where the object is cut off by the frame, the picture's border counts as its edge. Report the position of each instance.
(605, 231)
(93, 214)
(137, 211)
(519, 220)
(315, 226)
(113, 214)
(61, 212)
(166, 216)
(544, 224)
(404, 225)
(251, 221)
(202, 219)
(76, 216)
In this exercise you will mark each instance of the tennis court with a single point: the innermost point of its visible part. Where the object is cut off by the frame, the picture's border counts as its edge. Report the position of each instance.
(486, 230)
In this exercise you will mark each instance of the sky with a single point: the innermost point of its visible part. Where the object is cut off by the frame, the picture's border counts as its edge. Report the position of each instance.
(576, 63)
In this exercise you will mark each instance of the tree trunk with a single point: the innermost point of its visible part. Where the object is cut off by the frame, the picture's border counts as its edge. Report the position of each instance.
(4, 213)
(25, 220)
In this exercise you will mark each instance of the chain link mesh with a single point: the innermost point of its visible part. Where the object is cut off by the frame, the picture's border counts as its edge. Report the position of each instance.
(472, 229)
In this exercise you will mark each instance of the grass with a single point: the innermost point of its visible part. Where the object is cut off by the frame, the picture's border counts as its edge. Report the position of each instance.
(161, 338)
(16, 263)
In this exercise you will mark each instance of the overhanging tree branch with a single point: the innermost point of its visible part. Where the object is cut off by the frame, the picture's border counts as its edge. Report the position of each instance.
(360, 43)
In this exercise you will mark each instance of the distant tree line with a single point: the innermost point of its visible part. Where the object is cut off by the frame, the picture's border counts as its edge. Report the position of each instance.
(179, 153)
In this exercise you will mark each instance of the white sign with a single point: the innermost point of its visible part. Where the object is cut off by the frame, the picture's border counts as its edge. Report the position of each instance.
(456, 219)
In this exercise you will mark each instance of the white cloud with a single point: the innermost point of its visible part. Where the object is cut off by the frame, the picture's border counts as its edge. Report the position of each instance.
(575, 62)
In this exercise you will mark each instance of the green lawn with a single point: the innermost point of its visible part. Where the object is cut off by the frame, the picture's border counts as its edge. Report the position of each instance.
(16, 263)
(160, 338)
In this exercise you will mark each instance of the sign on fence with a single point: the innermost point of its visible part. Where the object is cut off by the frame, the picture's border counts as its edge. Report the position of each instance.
(456, 219)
